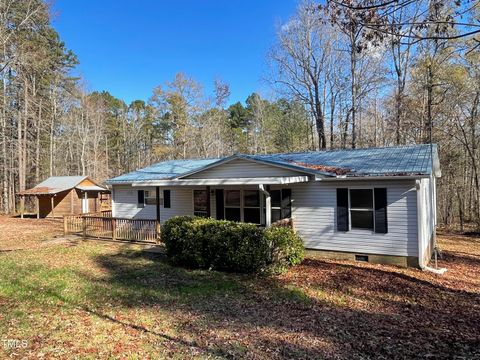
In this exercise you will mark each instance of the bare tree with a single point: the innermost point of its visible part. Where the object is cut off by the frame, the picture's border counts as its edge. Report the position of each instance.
(300, 61)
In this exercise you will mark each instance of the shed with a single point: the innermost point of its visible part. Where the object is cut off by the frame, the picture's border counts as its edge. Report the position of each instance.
(67, 195)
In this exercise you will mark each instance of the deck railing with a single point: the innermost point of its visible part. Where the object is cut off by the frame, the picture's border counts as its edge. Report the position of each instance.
(103, 227)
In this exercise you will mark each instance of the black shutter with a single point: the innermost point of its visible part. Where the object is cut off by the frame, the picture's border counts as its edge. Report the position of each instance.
(219, 204)
(342, 209)
(381, 225)
(140, 198)
(166, 199)
(286, 203)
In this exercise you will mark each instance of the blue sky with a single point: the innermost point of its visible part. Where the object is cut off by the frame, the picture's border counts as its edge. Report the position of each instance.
(129, 47)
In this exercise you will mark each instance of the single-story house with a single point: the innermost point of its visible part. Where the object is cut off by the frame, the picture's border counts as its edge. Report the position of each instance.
(68, 195)
(374, 205)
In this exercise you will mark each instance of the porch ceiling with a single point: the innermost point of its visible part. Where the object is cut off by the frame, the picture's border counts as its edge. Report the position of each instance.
(278, 180)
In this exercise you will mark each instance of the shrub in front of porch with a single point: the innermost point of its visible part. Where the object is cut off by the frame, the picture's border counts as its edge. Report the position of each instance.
(230, 246)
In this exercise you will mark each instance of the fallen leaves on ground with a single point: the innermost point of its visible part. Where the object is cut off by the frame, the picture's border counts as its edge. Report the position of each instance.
(102, 300)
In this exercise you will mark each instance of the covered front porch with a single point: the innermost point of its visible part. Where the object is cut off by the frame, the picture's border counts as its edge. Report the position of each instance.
(261, 201)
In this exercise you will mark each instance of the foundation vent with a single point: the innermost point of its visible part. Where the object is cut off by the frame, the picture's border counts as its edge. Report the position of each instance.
(363, 258)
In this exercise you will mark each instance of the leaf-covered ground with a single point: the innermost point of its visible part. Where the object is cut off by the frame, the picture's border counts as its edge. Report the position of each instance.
(101, 300)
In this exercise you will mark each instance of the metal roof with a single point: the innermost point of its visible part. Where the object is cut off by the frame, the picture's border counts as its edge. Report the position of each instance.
(387, 161)
(410, 160)
(56, 184)
(164, 170)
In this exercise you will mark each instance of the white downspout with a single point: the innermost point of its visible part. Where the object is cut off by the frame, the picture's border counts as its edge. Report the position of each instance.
(420, 209)
(268, 206)
(112, 200)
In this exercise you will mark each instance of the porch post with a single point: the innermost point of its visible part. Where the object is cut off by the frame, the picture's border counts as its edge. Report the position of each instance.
(157, 224)
(268, 206)
(157, 195)
(22, 206)
(52, 206)
(38, 206)
(208, 201)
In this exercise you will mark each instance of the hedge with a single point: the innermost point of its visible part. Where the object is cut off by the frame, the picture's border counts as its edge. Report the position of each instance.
(230, 246)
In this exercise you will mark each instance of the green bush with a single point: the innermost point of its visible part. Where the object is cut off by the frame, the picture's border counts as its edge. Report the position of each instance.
(286, 248)
(230, 246)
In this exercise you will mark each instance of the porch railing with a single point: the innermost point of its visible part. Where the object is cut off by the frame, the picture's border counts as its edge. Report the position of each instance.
(288, 223)
(103, 227)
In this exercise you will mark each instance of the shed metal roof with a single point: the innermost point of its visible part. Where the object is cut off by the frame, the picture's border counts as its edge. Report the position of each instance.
(410, 160)
(56, 184)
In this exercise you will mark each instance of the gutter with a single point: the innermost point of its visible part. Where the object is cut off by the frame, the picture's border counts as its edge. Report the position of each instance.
(373, 177)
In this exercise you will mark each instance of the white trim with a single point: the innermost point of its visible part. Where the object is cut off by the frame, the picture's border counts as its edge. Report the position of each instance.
(279, 180)
(372, 210)
(421, 262)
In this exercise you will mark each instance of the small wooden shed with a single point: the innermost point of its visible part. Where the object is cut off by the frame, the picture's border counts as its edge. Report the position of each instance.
(68, 195)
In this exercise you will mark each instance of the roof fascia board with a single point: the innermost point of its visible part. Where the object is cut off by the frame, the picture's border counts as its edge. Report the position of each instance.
(280, 180)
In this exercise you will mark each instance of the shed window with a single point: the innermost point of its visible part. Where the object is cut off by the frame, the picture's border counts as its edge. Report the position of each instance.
(361, 209)
(200, 203)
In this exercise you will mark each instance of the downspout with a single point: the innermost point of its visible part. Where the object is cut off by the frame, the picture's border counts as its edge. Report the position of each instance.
(421, 261)
(268, 206)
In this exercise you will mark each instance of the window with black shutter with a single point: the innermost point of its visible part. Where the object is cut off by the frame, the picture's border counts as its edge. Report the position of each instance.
(342, 210)
(381, 225)
(140, 198)
(166, 199)
(361, 209)
(219, 206)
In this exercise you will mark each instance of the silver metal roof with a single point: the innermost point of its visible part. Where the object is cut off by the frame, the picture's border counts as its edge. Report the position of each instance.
(410, 160)
(56, 184)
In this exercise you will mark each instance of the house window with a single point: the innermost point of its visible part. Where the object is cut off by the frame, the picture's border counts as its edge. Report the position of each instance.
(232, 205)
(361, 209)
(251, 206)
(281, 204)
(150, 197)
(200, 203)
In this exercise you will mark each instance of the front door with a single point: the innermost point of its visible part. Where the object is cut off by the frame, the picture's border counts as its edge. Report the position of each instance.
(85, 203)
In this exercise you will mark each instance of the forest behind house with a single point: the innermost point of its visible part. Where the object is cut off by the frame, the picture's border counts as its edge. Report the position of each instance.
(350, 74)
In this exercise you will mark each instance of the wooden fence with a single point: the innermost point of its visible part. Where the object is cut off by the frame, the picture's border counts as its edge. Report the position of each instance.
(103, 227)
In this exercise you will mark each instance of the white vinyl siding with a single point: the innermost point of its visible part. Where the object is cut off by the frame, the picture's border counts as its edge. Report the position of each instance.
(314, 212)
(125, 203)
(240, 168)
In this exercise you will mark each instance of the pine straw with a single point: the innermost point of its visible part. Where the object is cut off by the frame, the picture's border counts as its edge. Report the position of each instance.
(96, 300)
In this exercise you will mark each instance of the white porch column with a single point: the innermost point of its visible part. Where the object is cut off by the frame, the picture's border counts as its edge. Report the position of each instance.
(268, 206)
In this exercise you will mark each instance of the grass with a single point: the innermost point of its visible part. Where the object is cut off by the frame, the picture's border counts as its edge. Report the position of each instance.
(100, 300)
